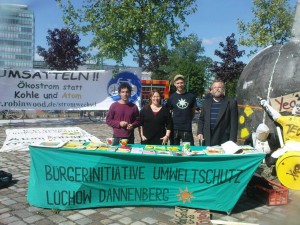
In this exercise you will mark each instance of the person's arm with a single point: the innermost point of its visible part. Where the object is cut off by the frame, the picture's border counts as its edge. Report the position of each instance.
(110, 118)
(193, 112)
(169, 105)
(143, 138)
(194, 107)
(166, 137)
(135, 123)
(169, 121)
(136, 116)
(233, 120)
(201, 123)
(272, 112)
(169, 127)
(141, 127)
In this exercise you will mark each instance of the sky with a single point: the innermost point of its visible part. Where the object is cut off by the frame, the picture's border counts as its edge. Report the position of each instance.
(212, 23)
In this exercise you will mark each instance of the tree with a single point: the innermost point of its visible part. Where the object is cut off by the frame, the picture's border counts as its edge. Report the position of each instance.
(186, 59)
(229, 70)
(196, 74)
(272, 24)
(156, 57)
(64, 52)
(131, 26)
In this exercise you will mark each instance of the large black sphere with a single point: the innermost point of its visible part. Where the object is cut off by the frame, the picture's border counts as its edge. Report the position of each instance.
(273, 72)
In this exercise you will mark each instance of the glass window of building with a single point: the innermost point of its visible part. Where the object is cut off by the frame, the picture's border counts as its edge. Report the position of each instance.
(16, 36)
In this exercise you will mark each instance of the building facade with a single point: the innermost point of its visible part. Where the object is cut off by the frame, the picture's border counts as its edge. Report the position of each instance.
(17, 34)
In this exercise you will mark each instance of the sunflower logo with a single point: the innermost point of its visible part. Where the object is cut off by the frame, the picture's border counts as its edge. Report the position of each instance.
(182, 103)
(185, 195)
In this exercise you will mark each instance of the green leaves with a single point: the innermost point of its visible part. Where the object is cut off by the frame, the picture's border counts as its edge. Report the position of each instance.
(119, 27)
(186, 59)
(272, 24)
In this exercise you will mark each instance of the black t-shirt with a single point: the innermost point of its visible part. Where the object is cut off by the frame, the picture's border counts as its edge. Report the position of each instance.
(182, 106)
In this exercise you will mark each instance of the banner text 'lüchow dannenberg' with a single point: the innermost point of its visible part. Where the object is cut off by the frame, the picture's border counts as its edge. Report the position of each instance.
(99, 175)
(70, 179)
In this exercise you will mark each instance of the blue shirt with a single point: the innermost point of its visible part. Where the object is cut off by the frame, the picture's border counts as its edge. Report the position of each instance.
(214, 112)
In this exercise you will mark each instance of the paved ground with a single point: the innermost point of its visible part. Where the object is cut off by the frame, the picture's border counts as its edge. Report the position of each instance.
(14, 209)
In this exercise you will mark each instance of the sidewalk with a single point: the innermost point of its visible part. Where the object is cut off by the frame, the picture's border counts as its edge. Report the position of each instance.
(14, 209)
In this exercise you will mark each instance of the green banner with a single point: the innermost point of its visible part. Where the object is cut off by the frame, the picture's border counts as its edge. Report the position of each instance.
(72, 179)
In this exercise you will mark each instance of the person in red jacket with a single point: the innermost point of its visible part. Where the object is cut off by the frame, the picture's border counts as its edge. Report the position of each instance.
(123, 116)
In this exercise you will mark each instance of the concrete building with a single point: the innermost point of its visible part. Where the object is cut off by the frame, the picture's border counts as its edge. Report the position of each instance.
(17, 36)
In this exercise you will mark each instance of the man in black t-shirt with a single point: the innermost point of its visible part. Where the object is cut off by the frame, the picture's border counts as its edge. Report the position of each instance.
(182, 105)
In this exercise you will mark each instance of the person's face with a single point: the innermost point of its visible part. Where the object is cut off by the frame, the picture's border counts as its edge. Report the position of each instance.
(179, 84)
(125, 94)
(217, 89)
(155, 98)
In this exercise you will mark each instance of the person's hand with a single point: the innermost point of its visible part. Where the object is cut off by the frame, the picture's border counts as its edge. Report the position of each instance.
(264, 102)
(200, 137)
(143, 138)
(269, 109)
(123, 124)
(129, 126)
(164, 139)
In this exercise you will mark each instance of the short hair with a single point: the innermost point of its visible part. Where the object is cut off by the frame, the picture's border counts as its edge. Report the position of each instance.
(179, 76)
(123, 86)
(218, 81)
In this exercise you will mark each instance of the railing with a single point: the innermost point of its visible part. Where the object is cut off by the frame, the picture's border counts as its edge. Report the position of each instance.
(13, 114)
(94, 116)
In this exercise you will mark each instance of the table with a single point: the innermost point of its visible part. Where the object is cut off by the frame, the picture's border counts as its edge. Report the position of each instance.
(71, 179)
(21, 138)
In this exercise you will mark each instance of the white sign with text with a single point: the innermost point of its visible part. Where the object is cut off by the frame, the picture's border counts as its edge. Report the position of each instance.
(64, 90)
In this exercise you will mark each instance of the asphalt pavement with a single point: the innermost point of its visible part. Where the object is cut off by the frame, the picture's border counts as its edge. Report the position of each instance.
(15, 210)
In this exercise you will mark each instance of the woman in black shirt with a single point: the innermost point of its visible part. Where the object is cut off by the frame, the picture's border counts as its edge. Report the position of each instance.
(155, 121)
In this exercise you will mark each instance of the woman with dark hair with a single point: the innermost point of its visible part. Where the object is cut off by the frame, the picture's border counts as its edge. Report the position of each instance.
(155, 121)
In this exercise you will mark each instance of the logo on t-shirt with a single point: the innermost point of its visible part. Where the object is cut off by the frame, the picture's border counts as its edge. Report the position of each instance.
(182, 104)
